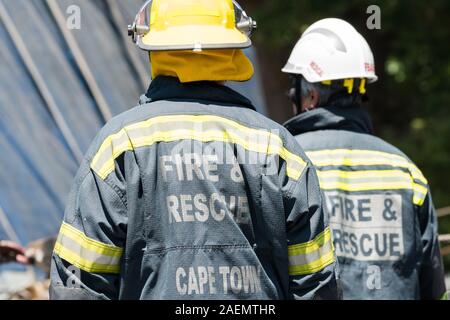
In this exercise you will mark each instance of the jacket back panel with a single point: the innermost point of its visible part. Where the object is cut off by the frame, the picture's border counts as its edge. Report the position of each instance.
(372, 192)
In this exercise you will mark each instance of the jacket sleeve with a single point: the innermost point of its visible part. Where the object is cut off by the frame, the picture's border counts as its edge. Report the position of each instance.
(432, 277)
(313, 270)
(88, 253)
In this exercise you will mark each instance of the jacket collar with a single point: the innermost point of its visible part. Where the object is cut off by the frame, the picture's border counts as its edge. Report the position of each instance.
(208, 92)
(355, 119)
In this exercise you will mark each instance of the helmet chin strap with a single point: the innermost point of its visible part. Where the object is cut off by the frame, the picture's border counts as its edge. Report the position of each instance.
(296, 96)
(298, 93)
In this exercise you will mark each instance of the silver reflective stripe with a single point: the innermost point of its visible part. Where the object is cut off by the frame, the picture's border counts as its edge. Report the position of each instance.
(187, 127)
(344, 155)
(324, 178)
(305, 259)
(341, 157)
(118, 140)
(134, 135)
(86, 254)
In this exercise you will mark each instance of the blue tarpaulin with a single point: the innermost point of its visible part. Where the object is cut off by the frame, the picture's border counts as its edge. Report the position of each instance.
(46, 97)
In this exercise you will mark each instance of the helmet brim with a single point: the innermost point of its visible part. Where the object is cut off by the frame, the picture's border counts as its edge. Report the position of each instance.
(291, 69)
(194, 38)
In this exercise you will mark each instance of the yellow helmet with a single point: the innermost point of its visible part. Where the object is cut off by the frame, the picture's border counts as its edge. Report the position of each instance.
(167, 25)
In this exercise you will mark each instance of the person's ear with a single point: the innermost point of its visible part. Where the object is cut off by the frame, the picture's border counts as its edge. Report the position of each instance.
(295, 109)
(314, 98)
(311, 101)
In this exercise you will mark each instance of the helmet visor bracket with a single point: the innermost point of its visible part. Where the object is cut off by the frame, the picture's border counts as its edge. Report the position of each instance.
(295, 91)
(244, 23)
(141, 24)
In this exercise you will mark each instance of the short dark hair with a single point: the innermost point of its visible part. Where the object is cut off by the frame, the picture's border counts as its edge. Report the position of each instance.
(330, 95)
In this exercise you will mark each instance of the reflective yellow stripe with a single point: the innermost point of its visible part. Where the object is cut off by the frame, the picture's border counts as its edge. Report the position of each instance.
(346, 157)
(89, 243)
(364, 186)
(349, 84)
(362, 87)
(83, 264)
(367, 174)
(314, 266)
(420, 194)
(85, 253)
(418, 188)
(162, 129)
(311, 245)
(312, 256)
(367, 180)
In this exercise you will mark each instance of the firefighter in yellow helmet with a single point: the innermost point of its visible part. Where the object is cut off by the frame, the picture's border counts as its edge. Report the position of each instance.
(193, 194)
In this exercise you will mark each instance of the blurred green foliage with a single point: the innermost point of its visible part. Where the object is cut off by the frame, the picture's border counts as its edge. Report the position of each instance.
(410, 104)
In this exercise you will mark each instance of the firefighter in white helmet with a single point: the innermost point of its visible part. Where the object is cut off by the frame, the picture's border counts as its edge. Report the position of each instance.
(193, 194)
(380, 208)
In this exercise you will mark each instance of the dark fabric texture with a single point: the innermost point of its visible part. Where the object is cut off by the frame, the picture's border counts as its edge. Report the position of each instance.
(354, 119)
(186, 227)
(170, 89)
(371, 265)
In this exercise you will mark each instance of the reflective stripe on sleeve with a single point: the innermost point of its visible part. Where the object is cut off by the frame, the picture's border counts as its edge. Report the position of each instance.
(199, 128)
(85, 253)
(420, 194)
(312, 256)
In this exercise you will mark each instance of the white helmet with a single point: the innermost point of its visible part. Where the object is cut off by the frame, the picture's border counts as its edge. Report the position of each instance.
(332, 49)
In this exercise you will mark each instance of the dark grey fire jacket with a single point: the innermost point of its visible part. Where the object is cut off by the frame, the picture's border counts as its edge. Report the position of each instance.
(194, 195)
(381, 213)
